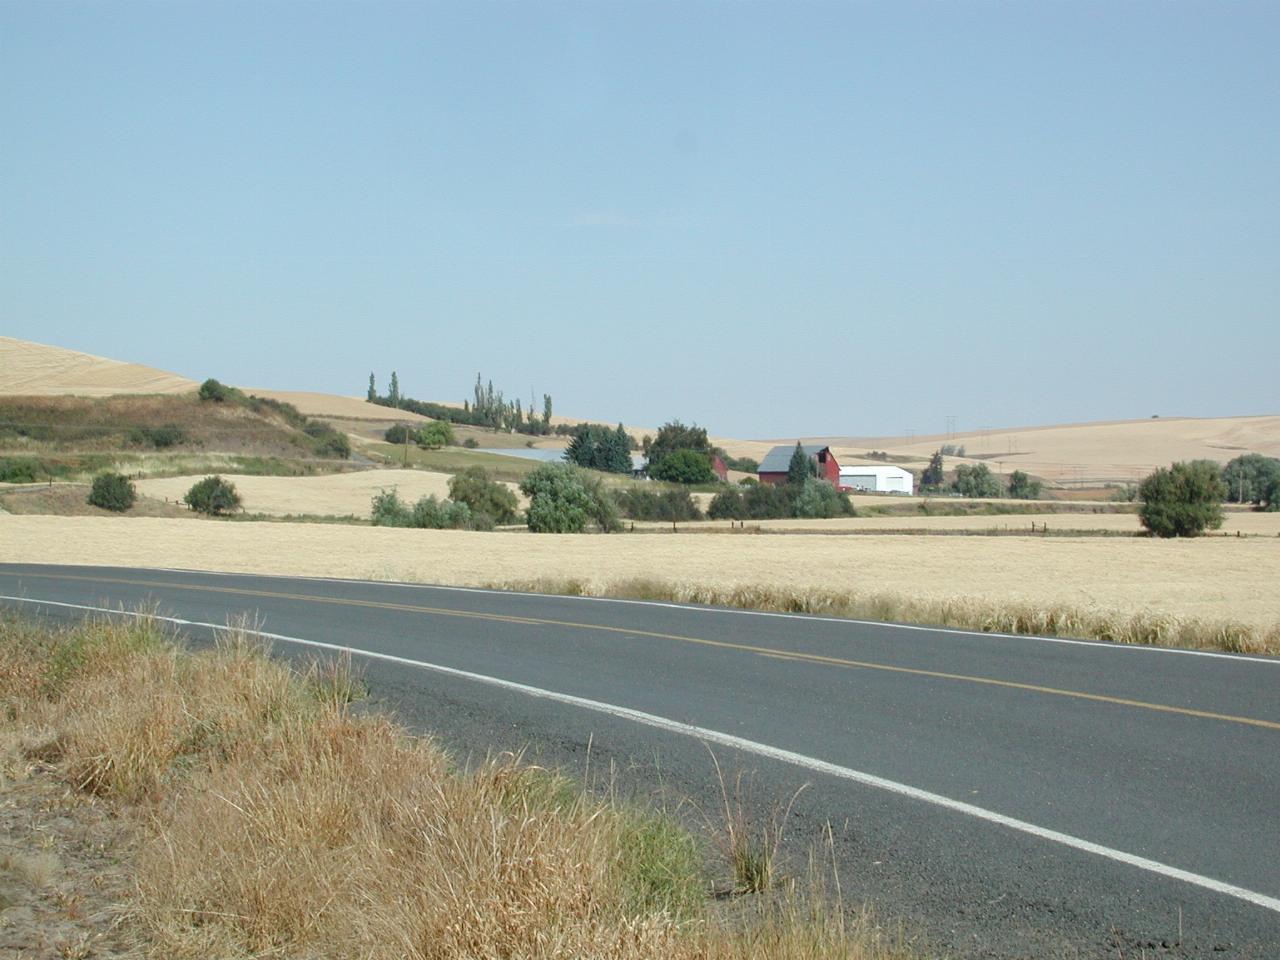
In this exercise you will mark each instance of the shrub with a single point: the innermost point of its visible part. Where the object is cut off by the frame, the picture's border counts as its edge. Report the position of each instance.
(1022, 487)
(388, 510)
(471, 443)
(727, 505)
(474, 488)
(19, 470)
(683, 466)
(432, 514)
(436, 434)
(169, 435)
(765, 501)
(1249, 477)
(1183, 500)
(564, 500)
(112, 491)
(743, 464)
(818, 499)
(212, 390)
(976, 481)
(213, 496)
(398, 434)
(667, 505)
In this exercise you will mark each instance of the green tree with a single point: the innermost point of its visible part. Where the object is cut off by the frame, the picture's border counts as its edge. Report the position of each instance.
(1183, 500)
(727, 505)
(112, 491)
(388, 510)
(1022, 487)
(596, 447)
(212, 390)
(1248, 478)
(564, 500)
(372, 395)
(1271, 495)
(932, 477)
(819, 499)
(213, 495)
(619, 459)
(683, 466)
(398, 434)
(483, 495)
(801, 467)
(393, 391)
(436, 434)
(976, 481)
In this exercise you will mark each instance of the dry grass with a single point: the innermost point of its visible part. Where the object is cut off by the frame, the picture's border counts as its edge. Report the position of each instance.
(34, 369)
(279, 823)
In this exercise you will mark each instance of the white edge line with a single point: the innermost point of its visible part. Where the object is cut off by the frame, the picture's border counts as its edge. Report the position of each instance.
(746, 746)
(696, 608)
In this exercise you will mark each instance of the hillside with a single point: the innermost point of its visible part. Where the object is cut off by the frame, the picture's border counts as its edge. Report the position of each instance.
(36, 369)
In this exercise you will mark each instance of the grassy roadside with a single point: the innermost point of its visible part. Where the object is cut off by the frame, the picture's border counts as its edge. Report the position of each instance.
(263, 816)
(1061, 620)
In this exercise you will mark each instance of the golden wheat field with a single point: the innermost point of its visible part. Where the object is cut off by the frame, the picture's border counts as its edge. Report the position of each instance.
(1212, 578)
(34, 369)
(338, 495)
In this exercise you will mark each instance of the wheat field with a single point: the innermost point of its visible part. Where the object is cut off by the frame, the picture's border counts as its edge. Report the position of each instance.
(35, 369)
(1211, 578)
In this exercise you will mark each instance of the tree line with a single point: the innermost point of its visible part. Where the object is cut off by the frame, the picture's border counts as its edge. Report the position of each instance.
(487, 407)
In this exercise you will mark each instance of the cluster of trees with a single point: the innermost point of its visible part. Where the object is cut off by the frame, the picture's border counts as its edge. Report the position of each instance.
(1185, 499)
(597, 447)
(212, 495)
(325, 440)
(487, 407)
(667, 506)
(475, 502)
(680, 454)
(977, 480)
(565, 499)
(803, 495)
(429, 436)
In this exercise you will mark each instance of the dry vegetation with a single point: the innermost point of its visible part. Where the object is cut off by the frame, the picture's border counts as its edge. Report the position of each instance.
(270, 819)
(33, 369)
(1212, 581)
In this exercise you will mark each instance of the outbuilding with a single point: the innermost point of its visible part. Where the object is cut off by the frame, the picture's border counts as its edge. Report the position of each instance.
(877, 479)
(777, 462)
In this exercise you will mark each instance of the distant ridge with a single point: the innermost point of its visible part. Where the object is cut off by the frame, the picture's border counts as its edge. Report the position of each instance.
(36, 369)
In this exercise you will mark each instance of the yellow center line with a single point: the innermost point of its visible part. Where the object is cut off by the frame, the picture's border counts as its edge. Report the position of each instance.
(701, 641)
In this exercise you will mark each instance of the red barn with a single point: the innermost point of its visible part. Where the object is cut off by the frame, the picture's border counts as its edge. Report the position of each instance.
(719, 469)
(774, 467)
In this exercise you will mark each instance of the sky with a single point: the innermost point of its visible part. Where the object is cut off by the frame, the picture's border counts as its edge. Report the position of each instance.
(773, 219)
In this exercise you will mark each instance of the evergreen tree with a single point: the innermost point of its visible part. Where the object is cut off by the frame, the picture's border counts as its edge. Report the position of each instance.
(373, 392)
(546, 413)
(620, 452)
(801, 467)
(393, 392)
(1022, 487)
(932, 476)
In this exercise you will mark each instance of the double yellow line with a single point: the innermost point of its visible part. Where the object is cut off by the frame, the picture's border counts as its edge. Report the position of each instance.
(678, 638)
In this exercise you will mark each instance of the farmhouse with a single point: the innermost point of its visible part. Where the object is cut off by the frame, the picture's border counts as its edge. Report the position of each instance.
(773, 468)
(877, 479)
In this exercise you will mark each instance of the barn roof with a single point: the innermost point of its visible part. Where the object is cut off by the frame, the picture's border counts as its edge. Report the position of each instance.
(778, 460)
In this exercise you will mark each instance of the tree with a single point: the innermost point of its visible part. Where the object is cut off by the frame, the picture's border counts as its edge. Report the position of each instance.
(1022, 487)
(683, 466)
(546, 412)
(931, 479)
(393, 391)
(436, 434)
(563, 500)
(112, 491)
(1271, 496)
(483, 495)
(213, 391)
(596, 447)
(1183, 500)
(976, 481)
(1248, 478)
(372, 395)
(213, 496)
(801, 467)
(819, 499)
(727, 505)
(398, 434)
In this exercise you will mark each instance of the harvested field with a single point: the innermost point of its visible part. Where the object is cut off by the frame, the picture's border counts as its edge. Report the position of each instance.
(331, 405)
(1216, 579)
(35, 369)
(336, 495)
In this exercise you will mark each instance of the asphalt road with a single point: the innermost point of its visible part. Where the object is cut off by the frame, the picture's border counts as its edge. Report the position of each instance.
(1001, 796)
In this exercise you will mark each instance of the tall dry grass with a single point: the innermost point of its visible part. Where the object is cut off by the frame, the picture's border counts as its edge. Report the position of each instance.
(281, 822)
(984, 616)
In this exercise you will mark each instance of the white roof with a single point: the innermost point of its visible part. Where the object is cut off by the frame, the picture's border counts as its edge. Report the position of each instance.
(870, 470)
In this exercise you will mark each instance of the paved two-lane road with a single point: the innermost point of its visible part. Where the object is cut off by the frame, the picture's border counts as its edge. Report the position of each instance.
(1008, 796)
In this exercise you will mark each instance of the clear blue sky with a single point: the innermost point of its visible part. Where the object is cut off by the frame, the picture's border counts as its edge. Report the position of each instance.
(773, 219)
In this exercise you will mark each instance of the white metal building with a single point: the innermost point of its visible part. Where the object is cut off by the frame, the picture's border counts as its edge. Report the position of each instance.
(877, 479)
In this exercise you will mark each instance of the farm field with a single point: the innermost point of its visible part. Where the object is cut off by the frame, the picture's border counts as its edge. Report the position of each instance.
(338, 495)
(36, 369)
(1212, 578)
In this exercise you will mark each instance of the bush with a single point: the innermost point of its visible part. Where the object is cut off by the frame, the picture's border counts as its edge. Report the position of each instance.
(435, 435)
(212, 390)
(398, 434)
(169, 435)
(727, 505)
(1183, 500)
(1249, 478)
(19, 470)
(388, 510)
(432, 514)
(112, 491)
(213, 496)
(564, 500)
(471, 443)
(1022, 487)
(684, 466)
(665, 506)
(484, 496)
(818, 499)
(976, 481)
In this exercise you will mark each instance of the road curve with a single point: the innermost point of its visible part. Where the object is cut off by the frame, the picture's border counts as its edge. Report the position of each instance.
(1007, 796)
